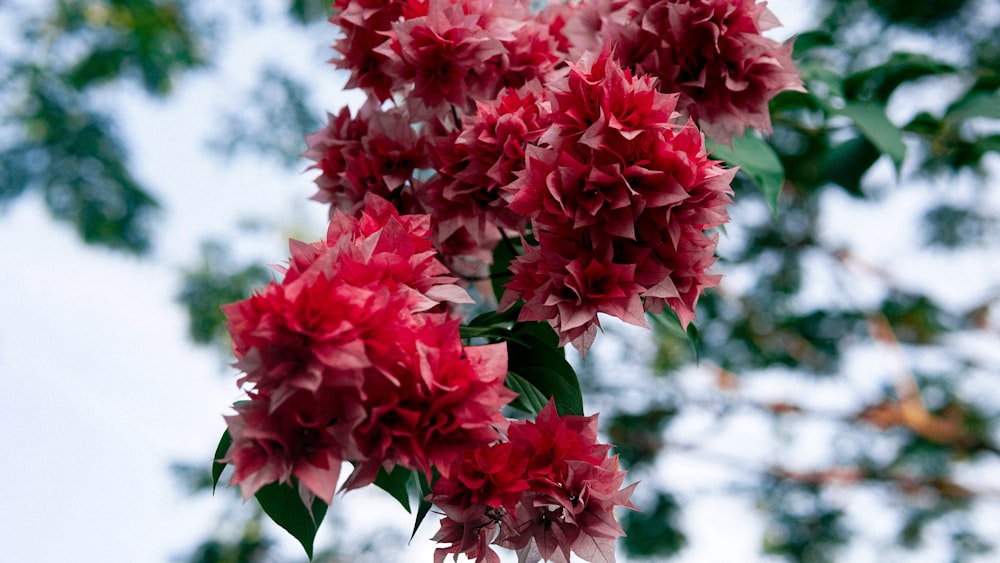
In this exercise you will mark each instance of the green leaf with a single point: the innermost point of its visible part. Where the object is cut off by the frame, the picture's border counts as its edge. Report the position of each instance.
(924, 123)
(553, 384)
(847, 162)
(503, 255)
(496, 318)
(757, 160)
(976, 104)
(873, 123)
(669, 321)
(533, 353)
(396, 484)
(529, 398)
(791, 100)
(220, 452)
(543, 334)
(99, 66)
(809, 40)
(822, 79)
(495, 332)
(424, 506)
(879, 82)
(284, 505)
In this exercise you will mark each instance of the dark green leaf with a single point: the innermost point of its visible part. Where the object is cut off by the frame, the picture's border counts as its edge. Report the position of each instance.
(495, 318)
(990, 143)
(654, 532)
(533, 353)
(551, 383)
(758, 161)
(529, 398)
(847, 163)
(424, 506)
(214, 282)
(669, 321)
(309, 11)
(503, 255)
(495, 332)
(99, 66)
(873, 123)
(822, 79)
(879, 82)
(284, 505)
(924, 124)
(220, 452)
(793, 100)
(809, 40)
(395, 484)
(976, 104)
(544, 333)
(918, 15)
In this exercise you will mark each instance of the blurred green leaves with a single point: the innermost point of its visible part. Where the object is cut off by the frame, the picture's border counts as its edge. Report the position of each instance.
(151, 41)
(70, 154)
(654, 533)
(215, 281)
(272, 121)
(58, 138)
(54, 139)
(758, 161)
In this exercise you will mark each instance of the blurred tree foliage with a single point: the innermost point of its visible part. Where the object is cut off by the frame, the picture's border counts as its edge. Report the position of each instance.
(903, 97)
(58, 135)
(54, 136)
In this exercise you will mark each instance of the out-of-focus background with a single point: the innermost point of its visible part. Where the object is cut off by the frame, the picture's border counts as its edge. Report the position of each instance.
(839, 403)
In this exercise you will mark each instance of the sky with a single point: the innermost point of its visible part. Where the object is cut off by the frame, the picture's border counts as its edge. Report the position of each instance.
(103, 389)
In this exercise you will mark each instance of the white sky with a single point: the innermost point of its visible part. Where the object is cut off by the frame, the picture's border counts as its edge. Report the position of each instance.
(102, 390)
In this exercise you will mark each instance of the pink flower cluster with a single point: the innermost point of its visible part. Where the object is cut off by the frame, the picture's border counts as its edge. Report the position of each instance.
(619, 198)
(546, 490)
(375, 152)
(353, 357)
(573, 128)
(711, 52)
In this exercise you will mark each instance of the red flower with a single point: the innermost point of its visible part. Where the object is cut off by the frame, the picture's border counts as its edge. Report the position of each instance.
(296, 439)
(548, 490)
(365, 24)
(331, 148)
(343, 360)
(574, 489)
(290, 336)
(619, 196)
(712, 52)
(562, 187)
(533, 55)
(376, 152)
(570, 292)
(436, 398)
(383, 248)
(605, 107)
(473, 167)
(450, 56)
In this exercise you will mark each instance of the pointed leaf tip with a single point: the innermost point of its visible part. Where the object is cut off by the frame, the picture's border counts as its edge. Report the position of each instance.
(220, 452)
(282, 502)
(755, 158)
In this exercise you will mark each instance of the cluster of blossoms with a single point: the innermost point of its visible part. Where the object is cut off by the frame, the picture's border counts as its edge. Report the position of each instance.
(619, 199)
(576, 130)
(546, 490)
(354, 357)
(710, 52)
